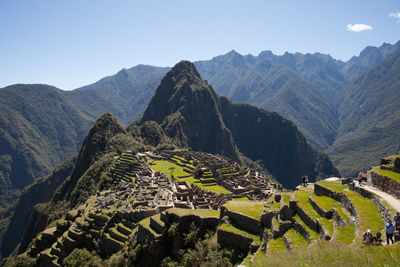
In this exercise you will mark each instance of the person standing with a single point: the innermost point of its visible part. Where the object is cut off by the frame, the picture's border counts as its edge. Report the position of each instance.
(303, 178)
(389, 231)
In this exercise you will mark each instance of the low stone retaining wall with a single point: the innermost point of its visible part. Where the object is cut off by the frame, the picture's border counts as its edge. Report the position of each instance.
(159, 228)
(384, 183)
(338, 219)
(234, 240)
(144, 235)
(245, 222)
(202, 222)
(304, 216)
(324, 213)
(323, 191)
(303, 231)
(266, 218)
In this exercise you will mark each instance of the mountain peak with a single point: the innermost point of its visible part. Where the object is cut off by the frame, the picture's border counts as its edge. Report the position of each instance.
(185, 68)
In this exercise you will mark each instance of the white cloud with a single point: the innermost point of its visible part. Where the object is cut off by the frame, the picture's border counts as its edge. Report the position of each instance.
(358, 27)
(395, 15)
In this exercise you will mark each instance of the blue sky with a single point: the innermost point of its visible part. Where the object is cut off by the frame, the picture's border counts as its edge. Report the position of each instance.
(69, 44)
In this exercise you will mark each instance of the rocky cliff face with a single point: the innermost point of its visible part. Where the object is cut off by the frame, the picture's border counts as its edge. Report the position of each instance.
(186, 107)
(267, 136)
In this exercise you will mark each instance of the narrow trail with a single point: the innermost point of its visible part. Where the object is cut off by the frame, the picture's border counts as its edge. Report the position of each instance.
(394, 202)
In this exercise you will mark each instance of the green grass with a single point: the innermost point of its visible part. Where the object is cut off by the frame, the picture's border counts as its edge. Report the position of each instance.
(286, 198)
(241, 199)
(163, 166)
(233, 229)
(335, 186)
(313, 234)
(392, 175)
(198, 212)
(250, 208)
(274, 246)
(297, 239)
(368, 214)
(393, 156)
(345, 234)
(326, 203)
(334, 254)
(302, 197)
(272, 203)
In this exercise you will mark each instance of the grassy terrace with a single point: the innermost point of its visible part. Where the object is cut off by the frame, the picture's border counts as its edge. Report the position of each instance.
(297, 239)
(182, 160)
(302, 197)
(249, 208)
(313, 234)
(276, 245)
(327, 203)
(345, 234)
(164, 166)
(240, 199)
(198, 212)
(392, 175)
(146, 224)
(233, 229)
(368, 214)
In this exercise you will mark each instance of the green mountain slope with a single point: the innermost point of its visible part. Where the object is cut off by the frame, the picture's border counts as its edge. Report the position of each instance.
(125, 94)
(41, 190)
(370, 117)
(40, 127)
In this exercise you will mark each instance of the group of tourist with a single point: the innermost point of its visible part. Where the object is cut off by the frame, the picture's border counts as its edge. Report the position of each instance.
(392, 233)
(362, 177)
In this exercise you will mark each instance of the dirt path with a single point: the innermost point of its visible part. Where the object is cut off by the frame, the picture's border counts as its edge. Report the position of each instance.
(394, 202)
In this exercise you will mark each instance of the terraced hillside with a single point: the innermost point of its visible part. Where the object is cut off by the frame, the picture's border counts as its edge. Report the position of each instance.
(160, 208)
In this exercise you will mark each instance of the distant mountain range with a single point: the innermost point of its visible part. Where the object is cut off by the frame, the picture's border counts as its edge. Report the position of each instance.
(42, 125)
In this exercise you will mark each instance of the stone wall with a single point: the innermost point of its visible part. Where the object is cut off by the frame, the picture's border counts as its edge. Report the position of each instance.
(304, 216)
(245, 222)
(324, 213)
(384, 183)
(302, 230)
(323, 191)
(266, 218)
(234, 240)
